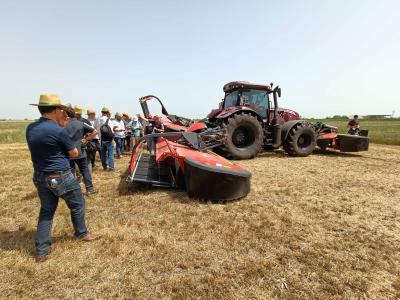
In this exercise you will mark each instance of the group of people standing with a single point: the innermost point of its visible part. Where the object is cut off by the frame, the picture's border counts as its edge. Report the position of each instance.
(123, 131)
(61, 141)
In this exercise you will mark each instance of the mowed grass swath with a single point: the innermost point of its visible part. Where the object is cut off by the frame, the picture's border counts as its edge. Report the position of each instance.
(323, 227)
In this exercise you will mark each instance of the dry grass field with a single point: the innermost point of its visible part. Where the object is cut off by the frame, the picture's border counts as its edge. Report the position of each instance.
(321, 227)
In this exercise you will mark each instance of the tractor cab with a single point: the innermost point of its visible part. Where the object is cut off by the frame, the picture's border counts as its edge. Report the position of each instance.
(258, 98)
(246, 94)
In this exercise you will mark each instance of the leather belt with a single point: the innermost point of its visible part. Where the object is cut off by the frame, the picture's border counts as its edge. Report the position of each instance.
(54, 175)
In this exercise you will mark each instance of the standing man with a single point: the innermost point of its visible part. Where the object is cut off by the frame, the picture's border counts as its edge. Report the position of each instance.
(158, 127)
(128, 132)
(107, 146)
(78, 110)
(95, 142)
(81, 133)
(51, 148)
(119, 133)
(136, 127)
(354, 126)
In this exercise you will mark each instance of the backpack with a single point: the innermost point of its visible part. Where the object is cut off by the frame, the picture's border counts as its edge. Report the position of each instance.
(106, 132)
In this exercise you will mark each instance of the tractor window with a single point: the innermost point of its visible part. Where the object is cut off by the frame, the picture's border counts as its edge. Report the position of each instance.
(257, 100)
(231, 99)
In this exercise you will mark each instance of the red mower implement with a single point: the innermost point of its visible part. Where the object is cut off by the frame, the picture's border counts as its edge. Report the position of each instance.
(184, 160)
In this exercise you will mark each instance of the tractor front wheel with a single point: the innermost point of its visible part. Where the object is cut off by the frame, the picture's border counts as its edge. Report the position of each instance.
(245, 137)
(300, 141)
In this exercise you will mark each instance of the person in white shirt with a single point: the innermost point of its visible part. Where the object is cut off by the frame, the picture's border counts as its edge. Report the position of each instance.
(107, 145)
(119, 133)
(95, 142)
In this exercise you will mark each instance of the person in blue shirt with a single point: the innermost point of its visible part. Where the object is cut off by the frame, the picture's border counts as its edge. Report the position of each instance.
(51, 149)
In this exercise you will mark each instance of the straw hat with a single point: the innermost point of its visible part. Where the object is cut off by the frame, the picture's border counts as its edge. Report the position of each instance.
(126, 115)
(90, 111)
(105, 110)
(118, 114)
(49, 100)
(78, 110)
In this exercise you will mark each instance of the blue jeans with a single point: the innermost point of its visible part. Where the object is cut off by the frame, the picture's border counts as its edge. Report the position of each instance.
(119, 144)
(107, 153)
(50, 188)
(84, 169)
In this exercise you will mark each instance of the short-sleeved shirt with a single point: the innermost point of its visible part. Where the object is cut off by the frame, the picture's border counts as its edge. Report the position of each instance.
(135, 125)
(120, 125)
(93, 123)
(353, 122)
(49, 144)
(84, 120)
(77, 130)
(100, 121)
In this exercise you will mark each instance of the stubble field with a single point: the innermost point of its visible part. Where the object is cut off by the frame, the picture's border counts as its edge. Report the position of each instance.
(322, 227)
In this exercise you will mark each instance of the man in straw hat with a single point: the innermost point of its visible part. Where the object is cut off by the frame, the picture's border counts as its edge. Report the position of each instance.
(107, 146)
(51, 148)
(128, 132)
(79, 111)
(81, 133)
(119, 133)
(94, 145)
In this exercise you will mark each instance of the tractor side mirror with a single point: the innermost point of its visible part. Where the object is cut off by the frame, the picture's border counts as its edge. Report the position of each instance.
(278, 91)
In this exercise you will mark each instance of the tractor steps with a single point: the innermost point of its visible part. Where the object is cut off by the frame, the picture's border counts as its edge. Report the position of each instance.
(149, 171)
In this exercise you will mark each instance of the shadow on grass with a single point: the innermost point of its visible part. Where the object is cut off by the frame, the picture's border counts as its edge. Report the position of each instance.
(279, 153)
(273, 154)
(177, 195)
(22, 240)
(30, 195)
(334, 153)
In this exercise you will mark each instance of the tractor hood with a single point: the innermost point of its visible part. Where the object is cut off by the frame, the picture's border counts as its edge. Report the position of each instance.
(284, 113)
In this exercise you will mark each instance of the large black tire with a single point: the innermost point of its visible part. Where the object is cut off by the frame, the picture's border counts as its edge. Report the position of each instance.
(244, 137)
(300, 141)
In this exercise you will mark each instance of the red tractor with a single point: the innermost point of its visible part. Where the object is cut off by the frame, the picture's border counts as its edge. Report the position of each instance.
(252, 121)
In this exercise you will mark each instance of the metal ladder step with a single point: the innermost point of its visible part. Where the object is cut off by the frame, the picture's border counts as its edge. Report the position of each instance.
(149, 171)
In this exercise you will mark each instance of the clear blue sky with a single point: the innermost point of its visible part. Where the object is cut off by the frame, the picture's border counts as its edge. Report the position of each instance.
(329, 57)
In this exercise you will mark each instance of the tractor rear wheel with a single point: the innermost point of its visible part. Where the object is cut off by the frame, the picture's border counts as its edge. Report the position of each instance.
(244, 137)
(300, 141)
